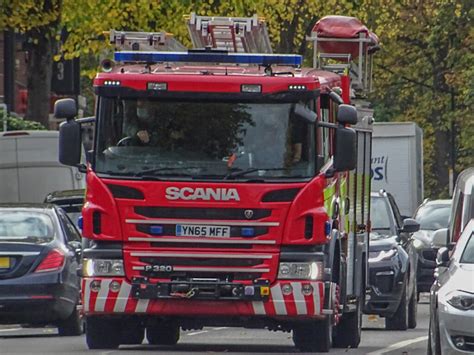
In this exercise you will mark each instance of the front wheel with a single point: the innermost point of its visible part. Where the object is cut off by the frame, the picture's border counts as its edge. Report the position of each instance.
(399, 321)
(102, 333)
(413, 309)
(314, 336)
(166, 333)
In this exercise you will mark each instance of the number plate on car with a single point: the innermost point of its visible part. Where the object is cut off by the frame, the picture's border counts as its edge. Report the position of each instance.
(194, 230)
(4, 262)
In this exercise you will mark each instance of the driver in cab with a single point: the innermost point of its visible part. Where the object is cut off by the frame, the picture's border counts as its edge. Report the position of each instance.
(141, 124)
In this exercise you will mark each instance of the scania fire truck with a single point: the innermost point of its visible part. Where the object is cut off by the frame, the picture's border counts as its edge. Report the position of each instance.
(227, 186)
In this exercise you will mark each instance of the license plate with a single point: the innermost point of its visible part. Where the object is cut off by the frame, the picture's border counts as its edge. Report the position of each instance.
(194, 230)
(4, 262)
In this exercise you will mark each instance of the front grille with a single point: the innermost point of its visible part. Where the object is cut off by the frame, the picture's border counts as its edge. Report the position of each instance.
(203, 213)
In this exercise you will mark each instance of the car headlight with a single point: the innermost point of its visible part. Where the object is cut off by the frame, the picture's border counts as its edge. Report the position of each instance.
(461, 300)
(381, 255)
(312, 270)
(103, 267)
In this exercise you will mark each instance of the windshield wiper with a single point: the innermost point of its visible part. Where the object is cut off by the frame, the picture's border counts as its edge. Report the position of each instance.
(156, 170)
(235, 174)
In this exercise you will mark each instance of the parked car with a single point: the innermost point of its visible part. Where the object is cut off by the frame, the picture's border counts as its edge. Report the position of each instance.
(392, 264)
(70, 201)
(431, 215)
(451, 327)
(40, 250)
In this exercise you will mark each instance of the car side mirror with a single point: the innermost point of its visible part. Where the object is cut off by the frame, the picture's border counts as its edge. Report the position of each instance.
(346, 114)
(76, 245)
(442, 258)
(410, 226)
(440, 238)
(345, 157)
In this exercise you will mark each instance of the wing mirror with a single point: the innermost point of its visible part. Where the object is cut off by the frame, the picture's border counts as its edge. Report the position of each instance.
(346, 114)
(304, 113)
(442, 258)
(440, 238)
(410, 226)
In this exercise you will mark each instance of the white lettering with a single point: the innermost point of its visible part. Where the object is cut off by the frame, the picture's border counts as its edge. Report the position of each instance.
(206, 194)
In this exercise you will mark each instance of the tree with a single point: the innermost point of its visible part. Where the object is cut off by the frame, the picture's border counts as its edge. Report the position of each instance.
(38, 21)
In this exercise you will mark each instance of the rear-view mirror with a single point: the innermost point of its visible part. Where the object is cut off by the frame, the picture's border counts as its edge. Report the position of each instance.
(65, 108)
(346, 114)
(70, 143)
(345, 149)
(440, 238)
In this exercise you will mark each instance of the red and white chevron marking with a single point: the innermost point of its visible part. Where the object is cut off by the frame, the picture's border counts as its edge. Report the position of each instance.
(107, 301)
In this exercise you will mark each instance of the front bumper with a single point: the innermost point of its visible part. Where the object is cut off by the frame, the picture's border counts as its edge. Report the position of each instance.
(35, 299)
(455, 323)
(124, 299)
(425, 269)
(385, 288)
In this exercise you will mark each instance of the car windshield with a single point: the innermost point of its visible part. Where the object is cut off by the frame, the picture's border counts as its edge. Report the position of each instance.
(468, 253)
(433, 216)
(26, 227)
(380, 217)
(203, 140)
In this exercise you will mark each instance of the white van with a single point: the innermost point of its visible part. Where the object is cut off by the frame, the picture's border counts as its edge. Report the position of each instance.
(30, 169)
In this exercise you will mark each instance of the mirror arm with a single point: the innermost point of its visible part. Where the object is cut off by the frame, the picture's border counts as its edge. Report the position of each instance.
(328, 125)
(82, 168)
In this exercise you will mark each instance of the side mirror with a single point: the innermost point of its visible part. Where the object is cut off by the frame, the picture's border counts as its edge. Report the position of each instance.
(410, 226)
(442, 258)
(302, 112)
(77, 246)
(65, 108)
(346, 114)
(70, 143)
(345, 157)
(440, 238)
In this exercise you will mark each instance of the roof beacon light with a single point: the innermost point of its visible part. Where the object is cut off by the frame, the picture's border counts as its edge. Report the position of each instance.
(209, 57)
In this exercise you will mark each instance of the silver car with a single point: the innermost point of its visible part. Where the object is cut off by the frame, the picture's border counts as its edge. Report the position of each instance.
(451, 329)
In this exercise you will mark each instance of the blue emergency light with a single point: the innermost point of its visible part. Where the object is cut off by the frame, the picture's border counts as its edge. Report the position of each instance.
(209, 57)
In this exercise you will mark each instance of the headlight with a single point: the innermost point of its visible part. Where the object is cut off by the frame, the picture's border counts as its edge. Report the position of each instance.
(418, 244)
(103, 267)
(302, 270)
(461, 300)
(376, 256)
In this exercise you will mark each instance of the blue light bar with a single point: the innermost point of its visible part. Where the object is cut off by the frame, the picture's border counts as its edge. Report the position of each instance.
(247, 232)
(209, 57)
(156, 230)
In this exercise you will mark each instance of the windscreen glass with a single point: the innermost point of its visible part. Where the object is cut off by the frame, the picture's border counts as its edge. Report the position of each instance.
(468, 253)
(380, 217)
(433, 217)
(146, 138)
(26, 227)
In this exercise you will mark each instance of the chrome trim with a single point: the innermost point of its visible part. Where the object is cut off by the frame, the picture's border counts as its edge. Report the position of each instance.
(207, 269)
(202, 255)
(207, 222)
(22, 253)
(200, 240)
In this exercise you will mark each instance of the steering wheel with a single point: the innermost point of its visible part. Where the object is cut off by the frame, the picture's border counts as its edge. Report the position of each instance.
(125, 141)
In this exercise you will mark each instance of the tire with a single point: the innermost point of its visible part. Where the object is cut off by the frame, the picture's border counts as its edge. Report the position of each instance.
(314, 337)
(133, 336)
(166, 333)
(399, 321)
(413, 309)
(72, 325)
(102, 333)
(434, 343)
(348, 331)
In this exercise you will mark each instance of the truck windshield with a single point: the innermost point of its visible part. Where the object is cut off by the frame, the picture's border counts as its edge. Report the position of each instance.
(148, 139)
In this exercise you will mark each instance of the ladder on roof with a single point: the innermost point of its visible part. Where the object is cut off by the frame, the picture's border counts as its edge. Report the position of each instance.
(145, 41)
(234, 34)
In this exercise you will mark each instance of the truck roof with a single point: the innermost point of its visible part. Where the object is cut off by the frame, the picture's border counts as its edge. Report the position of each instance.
(217, 78)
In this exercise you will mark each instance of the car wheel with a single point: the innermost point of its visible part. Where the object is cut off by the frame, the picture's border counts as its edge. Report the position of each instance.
(434, 343)
(166, 333)
(133, 336)
(314, 336)
(413, 309)
(399, 321)
(72, 325)
(102, 333)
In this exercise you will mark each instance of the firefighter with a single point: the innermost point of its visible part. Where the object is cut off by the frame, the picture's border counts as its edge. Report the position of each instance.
(141, 123)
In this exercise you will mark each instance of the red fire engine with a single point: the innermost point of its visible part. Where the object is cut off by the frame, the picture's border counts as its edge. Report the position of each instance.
(227, 185)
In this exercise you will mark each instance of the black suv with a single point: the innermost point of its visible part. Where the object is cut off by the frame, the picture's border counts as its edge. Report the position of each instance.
(70, 201)
(392, 260)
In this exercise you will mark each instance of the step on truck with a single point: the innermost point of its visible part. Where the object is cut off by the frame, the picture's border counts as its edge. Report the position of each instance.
(227, 185)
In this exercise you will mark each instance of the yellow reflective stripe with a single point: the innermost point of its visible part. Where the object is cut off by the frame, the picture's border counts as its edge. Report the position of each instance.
(328, 194)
